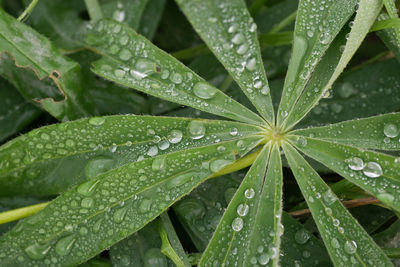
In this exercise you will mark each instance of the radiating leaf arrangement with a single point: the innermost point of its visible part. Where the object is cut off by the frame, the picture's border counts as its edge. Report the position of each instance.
(111, 179)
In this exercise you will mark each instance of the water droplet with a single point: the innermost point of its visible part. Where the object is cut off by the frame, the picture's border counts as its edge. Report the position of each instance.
(192, 209)
(242, 209)
(124, 40)
(219, 164)
(196, 129)
(325, 38)
(350, 247)
(346, 89)
(175, 136)
(143, 68)
(263, 259)
(119, 73)
(328, 197)
(96, 121)
(37, 251)
(153, 151)
(204, 90)
(180, 180)
(237, 224)
(87, 202)
(98, 165)
(310, 33)
(158, 163)
(154, 257)
(64, 245)
(87, 188)
(355, 163)
(284, 113)
(145, 205)
(249, 193)
(265, 90)
(385, 197)
(302, 141)
(391, 130)
(238, 38)
(335, 243)
(119, 215)
(163, 145)
(302, 236)
(251, 64)
(242, 49)
(221, 149)
(372, 170)
(233, 131)
(125, 54)
(176, 78)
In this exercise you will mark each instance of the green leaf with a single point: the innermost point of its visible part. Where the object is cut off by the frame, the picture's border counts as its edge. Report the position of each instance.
(391, 36)
(151, 18)
(346, 241)
(229, 31)
(376, 173)
(32, 51)
(373, 133)
(15, 112)
(140, 249)
(60, 21)
(50, 159)
(139, 64)
(317, 24)
(129, 12)
(251, 227)
(104, 210)
(359, 94)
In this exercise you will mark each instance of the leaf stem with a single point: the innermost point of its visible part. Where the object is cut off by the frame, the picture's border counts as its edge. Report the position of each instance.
(16, 214)
(348, 204)
(385, 24)
(27, 10)
(94, 9)
(285, 22)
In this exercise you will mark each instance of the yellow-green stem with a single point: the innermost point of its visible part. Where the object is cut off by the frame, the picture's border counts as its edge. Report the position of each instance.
(17, 214)
(28, 10)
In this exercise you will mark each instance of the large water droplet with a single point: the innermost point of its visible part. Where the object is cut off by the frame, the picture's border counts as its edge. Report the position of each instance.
(249, 193)
(346, 90)
(328, 197)
(175, 136)
(251, 64)
(238, 38)
(180, 180)
(391, 130)
(87, 202)
(119, 215)
(64, 245)
(204, 90)
(219, 164)
(355, 163)
(372, 170)
(237, 224)
(98, 165)
(97, 121)
(87, 188)
(145, 205)
(153, 151)
(242, 209)
(301, 236)
(350, 247)
(196, 129)
(143, 68)
(37, 251)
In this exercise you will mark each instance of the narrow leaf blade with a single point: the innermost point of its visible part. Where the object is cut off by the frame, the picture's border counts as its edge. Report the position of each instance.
(135, 62)
(346, 241)
(229, 31)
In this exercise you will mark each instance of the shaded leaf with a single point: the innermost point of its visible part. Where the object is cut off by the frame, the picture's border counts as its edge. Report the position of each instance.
(151, 18)
(31, 50)
(250, 227)
(390, 36)
(141, 65)
(230, 33)
(346, 241)
(129, 12)
(378, 132)
(376, 173)
(50, 159)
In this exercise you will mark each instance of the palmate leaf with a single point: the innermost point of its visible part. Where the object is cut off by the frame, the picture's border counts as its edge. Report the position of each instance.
(250, 229)
(376, 173)
(317, 24)
(229, 31)
(378, 132)
(31, 50)
(15, 112)
(51, 159)
(98, 213)
(346, 241)
(131, 60)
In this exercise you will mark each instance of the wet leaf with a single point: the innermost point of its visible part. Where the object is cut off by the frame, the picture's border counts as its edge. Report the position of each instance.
(230, 33)
(250, 227)
(390, 36)
(346, 241)
(317, 24)
(376, 173)
(50, 159)
(102, 211)
(378, 132)
(139, 64)
(32, 51)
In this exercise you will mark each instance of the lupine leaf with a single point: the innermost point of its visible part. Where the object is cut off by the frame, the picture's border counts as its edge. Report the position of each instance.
(102, 211)
(229, 31)
(31, 50)
(50, 159)
(15, 112)
(317, 24)
(391, 36)
(141, 249)
(346, 241)
(134, 62)
(376, 173)
(126, 11)
(251, 226)
(151, 18)
(378, 132)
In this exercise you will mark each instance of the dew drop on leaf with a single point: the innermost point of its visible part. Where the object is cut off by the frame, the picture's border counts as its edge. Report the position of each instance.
(175, 136)
(237, 224)
(391, 130)
(372, 170)
(204, 90)
(242, 209)
(37, 251)
(350, 247)
(355, 163)
(87, 188)
(196, 129)
(302, 236)
(64, 245)
(249, 193)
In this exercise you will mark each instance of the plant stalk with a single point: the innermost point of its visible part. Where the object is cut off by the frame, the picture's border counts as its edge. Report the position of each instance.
(94, 9)
(28, 10)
